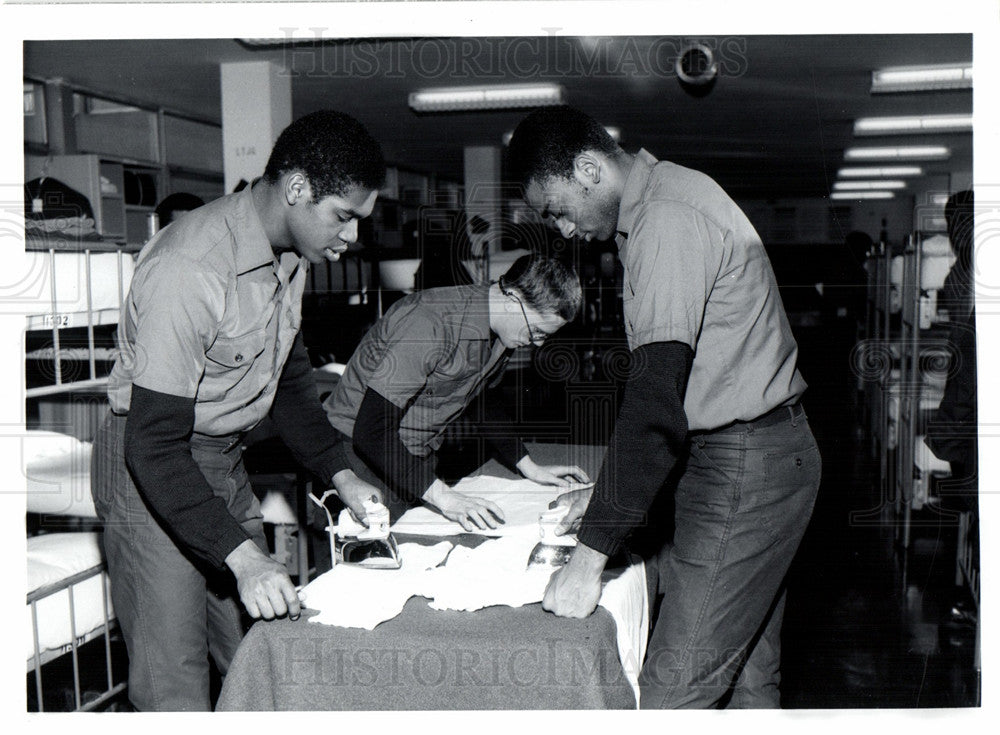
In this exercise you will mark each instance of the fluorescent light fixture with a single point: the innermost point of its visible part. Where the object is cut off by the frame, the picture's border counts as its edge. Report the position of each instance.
(913, 124)
(615, 133)
(860, 172)
(913, 153)
(868, 185)
(862, 195)
(922, 78)
(495, 97)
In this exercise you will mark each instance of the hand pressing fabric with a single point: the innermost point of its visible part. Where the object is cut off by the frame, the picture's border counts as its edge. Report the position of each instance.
(577, 502)
(562, 475)
(575, 589)
(468, 511)
(264, 586)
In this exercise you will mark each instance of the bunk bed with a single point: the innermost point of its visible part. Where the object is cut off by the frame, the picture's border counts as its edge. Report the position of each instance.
(79, 285)
(68, 596)
(79, 281)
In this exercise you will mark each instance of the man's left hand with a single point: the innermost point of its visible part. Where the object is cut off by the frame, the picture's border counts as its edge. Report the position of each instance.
(561, 475)
(574, 590)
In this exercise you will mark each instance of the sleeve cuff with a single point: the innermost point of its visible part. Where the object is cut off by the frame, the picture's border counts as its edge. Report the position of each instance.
(230, 538)
(663, 333)
(332, 461)
(598, 540)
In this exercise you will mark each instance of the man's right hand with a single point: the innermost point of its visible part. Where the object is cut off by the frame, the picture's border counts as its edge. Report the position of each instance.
(468, 511)
(354, 492)
(574, 590)
(577, 500)
(265, 588)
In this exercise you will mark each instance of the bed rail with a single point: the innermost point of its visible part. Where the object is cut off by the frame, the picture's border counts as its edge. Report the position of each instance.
(54, 319)
(40, 658)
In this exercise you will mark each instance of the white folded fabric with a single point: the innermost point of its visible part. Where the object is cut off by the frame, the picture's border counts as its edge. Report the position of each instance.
(520, 500)
(462, 584)
(357, 597)
(626, 597)
(493, 573)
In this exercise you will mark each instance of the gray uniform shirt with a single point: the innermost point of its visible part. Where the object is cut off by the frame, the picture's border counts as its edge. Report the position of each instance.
(430, 355)
(696, 272)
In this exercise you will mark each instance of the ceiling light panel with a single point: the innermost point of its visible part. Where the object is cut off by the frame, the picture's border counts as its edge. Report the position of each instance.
(913, 124)
(495, 97)
(865, 172)
(862, 195)
(912, 153)
(922, 78)
(869, 185)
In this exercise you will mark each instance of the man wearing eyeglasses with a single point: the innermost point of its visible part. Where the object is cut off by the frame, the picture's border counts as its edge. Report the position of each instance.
(425, 361)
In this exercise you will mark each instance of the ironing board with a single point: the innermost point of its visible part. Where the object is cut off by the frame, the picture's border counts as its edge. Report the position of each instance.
(425, 659)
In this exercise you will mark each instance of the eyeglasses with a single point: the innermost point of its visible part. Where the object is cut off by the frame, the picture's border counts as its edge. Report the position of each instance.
(535, 336)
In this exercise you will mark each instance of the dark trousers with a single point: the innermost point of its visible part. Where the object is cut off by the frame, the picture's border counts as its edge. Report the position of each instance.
(173, 612)
(741, 507)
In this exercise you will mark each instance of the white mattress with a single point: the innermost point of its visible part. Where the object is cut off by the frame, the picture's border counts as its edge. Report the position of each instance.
(53, 557)
(57, 469)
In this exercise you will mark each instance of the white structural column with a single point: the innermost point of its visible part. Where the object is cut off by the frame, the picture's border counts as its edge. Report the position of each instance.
(483, 198)
(256, 107)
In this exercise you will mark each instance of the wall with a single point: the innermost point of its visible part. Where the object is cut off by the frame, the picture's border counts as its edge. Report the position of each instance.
(818, 221)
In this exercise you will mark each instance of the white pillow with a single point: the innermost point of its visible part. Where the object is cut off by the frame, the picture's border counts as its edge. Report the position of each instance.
(57, 472)
(55, 556)
(40, 444)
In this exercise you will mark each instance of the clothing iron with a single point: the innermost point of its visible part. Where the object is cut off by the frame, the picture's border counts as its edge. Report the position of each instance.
(374, 553)
(551, 550)
(371, 546)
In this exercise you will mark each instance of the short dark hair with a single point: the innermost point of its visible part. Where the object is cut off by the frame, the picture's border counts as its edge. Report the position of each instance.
(332, 149)
(546, 284)
(547, 141)
(960, 221)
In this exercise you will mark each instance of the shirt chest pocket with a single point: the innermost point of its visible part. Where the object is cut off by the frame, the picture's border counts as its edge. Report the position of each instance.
(442, 392)
(236, 353)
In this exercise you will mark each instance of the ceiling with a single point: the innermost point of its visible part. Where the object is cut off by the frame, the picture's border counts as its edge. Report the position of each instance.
(774, 125)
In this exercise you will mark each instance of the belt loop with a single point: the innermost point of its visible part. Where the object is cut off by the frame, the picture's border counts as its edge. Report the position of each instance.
(233, 444)
(791, 414)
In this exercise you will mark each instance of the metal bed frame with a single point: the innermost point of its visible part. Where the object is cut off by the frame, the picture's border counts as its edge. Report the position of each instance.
(40, 658)
(49, 318)
(90, 317)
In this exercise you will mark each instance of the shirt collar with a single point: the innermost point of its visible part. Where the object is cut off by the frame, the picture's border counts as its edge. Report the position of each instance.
(477, 325)
(635, 186)
(253, 249)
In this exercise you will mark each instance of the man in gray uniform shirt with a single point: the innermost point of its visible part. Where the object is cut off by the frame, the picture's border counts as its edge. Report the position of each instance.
(209, 344)
(713, 387)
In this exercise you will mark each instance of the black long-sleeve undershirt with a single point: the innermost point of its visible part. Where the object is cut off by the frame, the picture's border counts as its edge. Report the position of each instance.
(497, 425)
(158, 455)
(649, 436)
(376, 440)
(301, 421)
